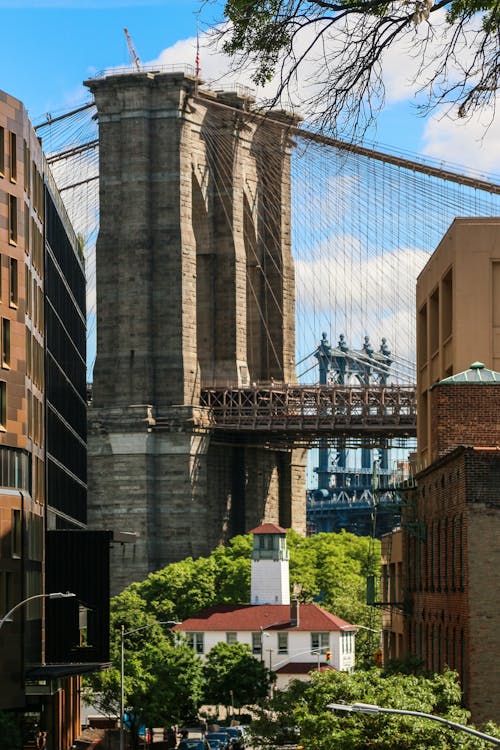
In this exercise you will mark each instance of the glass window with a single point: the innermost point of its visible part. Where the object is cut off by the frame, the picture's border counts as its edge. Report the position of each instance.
(5, 342)
(13, 157)
(196, 641)
(282, 643)
(3, 404)
(320, 641)
(13, 287)
(12, 219)
(347, 642)
(257, 643)
(231, 637)
(16, 533)
(2, 151)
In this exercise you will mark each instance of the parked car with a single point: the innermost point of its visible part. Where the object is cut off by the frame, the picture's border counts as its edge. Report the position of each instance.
(193, 743)
(222, 736)
(215, 744)
(237, 735)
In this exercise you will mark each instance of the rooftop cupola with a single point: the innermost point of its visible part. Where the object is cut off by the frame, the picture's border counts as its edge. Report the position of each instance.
(270, 573)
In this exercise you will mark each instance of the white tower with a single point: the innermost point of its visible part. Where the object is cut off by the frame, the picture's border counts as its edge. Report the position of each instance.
(270, 572)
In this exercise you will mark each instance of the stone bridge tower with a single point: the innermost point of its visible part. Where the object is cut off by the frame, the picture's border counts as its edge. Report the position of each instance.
(195, 288)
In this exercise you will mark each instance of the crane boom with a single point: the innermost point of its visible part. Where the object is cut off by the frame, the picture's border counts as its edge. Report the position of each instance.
(134, 57)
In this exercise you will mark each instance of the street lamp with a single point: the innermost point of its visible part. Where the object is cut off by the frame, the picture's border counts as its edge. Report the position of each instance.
(370, 708)
(123, 633)
(55, 595)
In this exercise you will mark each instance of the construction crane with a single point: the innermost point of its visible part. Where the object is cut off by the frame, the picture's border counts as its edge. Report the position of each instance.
(134, 57)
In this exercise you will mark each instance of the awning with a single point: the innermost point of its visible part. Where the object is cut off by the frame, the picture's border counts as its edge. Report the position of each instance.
(55, 671)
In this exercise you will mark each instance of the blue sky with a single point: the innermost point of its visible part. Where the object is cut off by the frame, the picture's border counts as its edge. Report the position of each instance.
(56, 44)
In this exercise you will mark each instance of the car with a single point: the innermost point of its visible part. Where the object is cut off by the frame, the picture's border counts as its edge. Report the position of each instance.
(222, 736)
(237, 735)
(215, 744)
(193, 743)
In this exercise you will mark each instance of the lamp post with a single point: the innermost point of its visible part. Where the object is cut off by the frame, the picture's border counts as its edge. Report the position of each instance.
(54, 595)
(124, 633)
(370, 708)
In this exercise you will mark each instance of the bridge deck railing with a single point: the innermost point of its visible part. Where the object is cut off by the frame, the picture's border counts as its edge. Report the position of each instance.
(296, 407)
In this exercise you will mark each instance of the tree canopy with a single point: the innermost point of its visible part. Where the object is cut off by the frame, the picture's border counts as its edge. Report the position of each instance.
(304, 705)
(162, 676)
(234, 677)
(329, 569)
(340, 47)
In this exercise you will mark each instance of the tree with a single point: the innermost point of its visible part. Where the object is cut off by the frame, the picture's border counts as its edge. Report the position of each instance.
(305, 705)
(330, 569)
(162, 675)
(453, 43)
(233, 676)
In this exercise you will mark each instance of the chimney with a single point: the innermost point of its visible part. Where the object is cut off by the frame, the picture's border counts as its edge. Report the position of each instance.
(294, 613)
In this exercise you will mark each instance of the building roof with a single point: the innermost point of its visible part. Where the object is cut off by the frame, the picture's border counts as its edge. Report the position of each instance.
(303, 667)
(252, 617)
(268, 528)
(477, 373)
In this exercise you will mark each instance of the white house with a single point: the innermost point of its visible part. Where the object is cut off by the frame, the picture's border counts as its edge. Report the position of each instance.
(293, 639)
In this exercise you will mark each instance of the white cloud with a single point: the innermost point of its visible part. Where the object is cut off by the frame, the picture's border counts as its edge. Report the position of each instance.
(341, 292)
(477, 141)
(444, 137)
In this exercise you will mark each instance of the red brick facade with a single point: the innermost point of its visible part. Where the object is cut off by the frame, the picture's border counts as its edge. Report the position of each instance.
(451, 545)
(464, 414)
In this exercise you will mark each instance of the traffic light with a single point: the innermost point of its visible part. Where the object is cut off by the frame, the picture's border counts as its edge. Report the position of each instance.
(378, 658)
(328, 655)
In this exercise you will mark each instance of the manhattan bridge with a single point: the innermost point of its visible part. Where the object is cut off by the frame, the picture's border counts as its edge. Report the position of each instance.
(364, 221)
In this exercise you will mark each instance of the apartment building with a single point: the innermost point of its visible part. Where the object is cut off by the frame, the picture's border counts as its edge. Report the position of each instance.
(45, 546)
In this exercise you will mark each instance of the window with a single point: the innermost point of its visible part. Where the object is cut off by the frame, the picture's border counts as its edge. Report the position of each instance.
(13, 157)
(347, 642)
(196, 641)
(231, 637)
(3, 405)
(282, 643)
(12, 219)
(26, 229)
(16, 533)
(5, 342)
(2, 151)
(5, 591)
(27, 163)
(320, 641)
(13, 288)
(257, 643)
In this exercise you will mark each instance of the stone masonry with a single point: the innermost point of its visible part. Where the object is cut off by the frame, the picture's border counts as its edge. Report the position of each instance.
(195, 287)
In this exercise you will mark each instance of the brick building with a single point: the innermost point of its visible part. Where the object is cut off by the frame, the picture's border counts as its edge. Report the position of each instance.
(440, 587)
(451, 524)
(22, 433)
(44, 544)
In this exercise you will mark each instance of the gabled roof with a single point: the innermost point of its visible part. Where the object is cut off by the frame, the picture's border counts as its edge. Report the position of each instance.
(252, 617)
(477, 373)
(268, 528)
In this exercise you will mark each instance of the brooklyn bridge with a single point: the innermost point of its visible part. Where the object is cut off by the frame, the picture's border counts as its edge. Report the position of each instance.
(230, 254)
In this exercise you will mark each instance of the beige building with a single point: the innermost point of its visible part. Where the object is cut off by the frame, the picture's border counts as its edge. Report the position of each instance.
(458, 311)
(450, 521)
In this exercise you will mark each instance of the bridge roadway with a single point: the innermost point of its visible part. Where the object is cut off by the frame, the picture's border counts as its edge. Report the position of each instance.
(308, 414)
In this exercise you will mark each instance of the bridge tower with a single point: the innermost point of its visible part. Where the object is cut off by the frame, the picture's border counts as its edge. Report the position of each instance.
(344, 496)
(195, 288)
